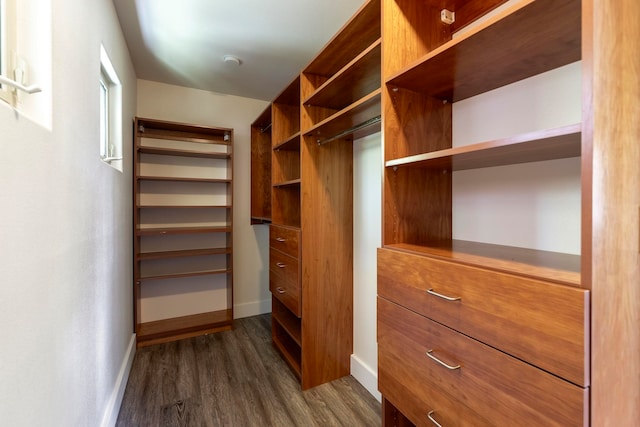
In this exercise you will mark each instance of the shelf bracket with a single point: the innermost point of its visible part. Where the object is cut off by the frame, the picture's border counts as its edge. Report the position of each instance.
(447, 16)
(367, 123)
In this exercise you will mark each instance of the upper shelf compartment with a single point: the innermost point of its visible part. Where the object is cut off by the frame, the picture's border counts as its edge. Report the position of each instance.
(345, 76)
(527, 39)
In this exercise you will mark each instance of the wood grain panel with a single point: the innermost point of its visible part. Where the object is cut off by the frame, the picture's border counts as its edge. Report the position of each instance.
(284, 280)
(410, 29)
(499, 388)
(261, 168)
(611, 111)
(354, 37)
(414, 123)
(327, 260)
(468, 11)
(548, 144)
(523, 41)
(342, 123)
(285, 239)
(539, 322)
(417, 206)
(167, 330)
(285, 205)
(358, 78)
(285, 166)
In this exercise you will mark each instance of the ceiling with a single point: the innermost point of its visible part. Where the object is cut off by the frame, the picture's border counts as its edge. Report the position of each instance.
(183, 43)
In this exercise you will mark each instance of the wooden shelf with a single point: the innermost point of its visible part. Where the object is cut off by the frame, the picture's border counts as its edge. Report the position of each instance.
(186, 274)
(362, 30)
(340, 91)
(182, 153)
(290, 183)
(259, 220)
(288, 348)
(341, 122)
(182, 230)
(290, 324)
(162, 129)
(525, 40)
(290, 144)
(183, 206)
(552, 266)
(166, 330)
(183, 253)
(558, 143)
(183, 179)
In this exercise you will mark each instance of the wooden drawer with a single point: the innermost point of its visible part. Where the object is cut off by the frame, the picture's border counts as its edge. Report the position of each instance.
(543, 323)
(285, 239)
(486, 383)
(284, 279)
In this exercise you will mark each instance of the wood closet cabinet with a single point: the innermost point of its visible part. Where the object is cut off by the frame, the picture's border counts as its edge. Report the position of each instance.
(261, 168)
(336, 99)
(183, 230)
(475, 334)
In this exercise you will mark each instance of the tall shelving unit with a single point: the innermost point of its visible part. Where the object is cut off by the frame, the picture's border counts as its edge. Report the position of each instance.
(183, 210)
(449, 310)
(335, 100)
(284, 232)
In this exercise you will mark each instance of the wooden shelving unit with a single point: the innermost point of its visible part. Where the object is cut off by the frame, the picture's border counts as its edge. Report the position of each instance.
(261, 168)
(426, 68)
(183, 192)
(336, 99)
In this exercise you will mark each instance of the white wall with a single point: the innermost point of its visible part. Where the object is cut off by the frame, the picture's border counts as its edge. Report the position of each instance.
(367, 229)
(250, 243)
(65, 233)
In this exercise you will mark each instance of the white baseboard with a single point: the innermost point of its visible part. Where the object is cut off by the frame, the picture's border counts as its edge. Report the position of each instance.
(365, 376)
(254, 308)
(113, 405)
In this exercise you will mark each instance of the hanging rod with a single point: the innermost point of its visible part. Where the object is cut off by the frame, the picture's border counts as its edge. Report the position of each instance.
(370, 122)
(266, 128)
(14, 84)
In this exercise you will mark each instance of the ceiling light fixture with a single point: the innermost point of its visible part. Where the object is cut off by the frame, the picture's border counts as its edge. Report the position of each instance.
(232, 60)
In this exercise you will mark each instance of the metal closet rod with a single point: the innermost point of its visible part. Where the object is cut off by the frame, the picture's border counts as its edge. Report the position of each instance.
(14, 84)
(352, 129)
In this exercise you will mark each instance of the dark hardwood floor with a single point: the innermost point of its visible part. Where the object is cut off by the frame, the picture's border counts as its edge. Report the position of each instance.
(235, 378)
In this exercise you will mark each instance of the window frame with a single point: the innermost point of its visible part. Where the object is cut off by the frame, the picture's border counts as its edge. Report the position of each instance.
(110, 110)
(7, 46)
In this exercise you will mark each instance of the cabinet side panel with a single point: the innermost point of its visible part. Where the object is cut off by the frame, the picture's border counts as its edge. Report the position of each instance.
(410, 29)
(612, 111)
(327, 260)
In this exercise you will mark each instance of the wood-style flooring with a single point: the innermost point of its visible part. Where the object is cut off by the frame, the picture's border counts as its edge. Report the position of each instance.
(237, 379)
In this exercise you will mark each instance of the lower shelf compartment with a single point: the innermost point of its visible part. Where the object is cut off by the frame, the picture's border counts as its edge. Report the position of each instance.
(177, 328)
(290, 350)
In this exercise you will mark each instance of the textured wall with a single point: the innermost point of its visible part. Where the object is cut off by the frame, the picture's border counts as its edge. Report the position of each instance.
(65, 229)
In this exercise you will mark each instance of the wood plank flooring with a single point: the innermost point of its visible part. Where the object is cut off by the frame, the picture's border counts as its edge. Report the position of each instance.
(235, 378)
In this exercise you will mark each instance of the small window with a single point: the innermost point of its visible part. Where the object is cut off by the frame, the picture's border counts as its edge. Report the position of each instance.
(7, 45)
(110, 94)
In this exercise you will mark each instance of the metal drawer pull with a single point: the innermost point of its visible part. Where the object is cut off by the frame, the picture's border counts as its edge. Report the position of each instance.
(433, 420)
(281, 264)
(280, 290)
(431, 356)
(280, 239)
(432, 292)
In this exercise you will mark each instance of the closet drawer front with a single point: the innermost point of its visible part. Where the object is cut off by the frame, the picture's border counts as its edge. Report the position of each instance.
(498, 387)
(284, 279)
(285, 239)
(544, 323)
